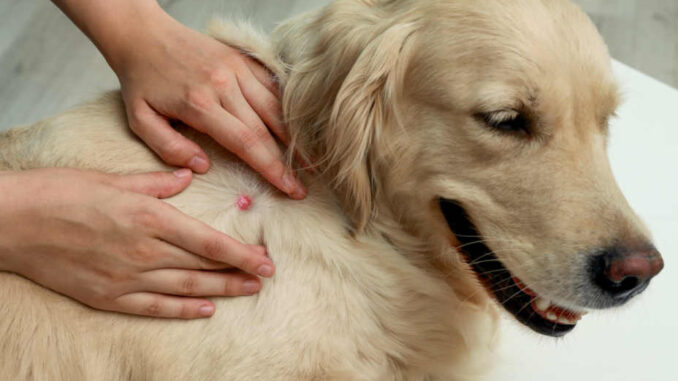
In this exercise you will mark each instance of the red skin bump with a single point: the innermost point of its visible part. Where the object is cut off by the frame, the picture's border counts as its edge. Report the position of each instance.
(244, 203)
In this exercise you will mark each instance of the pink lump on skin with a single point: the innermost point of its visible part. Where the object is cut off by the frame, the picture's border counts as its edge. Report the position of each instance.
(244, 202)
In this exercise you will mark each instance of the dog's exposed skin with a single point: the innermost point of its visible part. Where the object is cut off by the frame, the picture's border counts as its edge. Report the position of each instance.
(368, 286)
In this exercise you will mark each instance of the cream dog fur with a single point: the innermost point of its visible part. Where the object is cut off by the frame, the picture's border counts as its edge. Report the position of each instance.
(399, 104)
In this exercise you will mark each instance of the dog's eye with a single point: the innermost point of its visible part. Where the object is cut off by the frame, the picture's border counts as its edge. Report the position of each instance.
(508, 121)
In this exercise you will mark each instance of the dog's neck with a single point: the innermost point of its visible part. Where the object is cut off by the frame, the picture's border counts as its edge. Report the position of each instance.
(336, 120)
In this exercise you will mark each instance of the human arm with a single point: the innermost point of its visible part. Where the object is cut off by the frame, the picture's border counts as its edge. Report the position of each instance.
(108, 242)
(169, 72)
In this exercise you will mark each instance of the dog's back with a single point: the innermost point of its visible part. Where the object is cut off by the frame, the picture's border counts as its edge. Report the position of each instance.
(339, 307)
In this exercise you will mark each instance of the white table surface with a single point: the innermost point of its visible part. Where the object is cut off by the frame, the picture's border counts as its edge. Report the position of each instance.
(637, 341)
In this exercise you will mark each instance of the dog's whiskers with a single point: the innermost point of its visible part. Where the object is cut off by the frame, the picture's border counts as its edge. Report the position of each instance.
(523, 307)
(520, 291)
(468, 244)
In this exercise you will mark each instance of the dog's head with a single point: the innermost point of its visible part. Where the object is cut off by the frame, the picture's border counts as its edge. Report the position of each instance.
(480, 124)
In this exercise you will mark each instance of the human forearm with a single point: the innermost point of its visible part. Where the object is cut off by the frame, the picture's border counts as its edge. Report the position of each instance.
(115, 27)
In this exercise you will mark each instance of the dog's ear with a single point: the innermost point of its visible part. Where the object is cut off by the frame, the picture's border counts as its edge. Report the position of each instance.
(245, 37)
(362, 113)
(354, 110)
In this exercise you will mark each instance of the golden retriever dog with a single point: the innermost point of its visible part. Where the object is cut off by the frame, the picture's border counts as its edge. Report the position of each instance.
(459, 154)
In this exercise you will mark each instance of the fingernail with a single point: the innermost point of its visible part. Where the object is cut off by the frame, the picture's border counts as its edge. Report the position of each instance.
(293, 186)
(289, 182)
(206, 310)
(265, 270)
(250, 287)
(198, 164)
(181, 173)
(300, 192)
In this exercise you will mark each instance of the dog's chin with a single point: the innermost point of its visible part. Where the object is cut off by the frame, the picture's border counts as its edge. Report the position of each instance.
(530, 309)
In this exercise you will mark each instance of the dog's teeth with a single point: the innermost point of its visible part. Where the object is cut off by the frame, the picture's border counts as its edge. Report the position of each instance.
(551, 316)
(564, 320)
(542, 304)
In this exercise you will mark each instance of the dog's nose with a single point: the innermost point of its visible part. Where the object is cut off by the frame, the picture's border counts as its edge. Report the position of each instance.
(623, 273)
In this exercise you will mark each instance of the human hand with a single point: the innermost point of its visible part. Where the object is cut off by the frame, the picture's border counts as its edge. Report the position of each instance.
(170, 72)
(108, 242)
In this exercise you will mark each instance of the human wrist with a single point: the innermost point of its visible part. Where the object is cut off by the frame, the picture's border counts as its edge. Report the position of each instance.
(7, 262)
(117, 28)
(127, 38)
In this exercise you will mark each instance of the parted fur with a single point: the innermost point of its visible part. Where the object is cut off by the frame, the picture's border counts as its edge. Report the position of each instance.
(379, 96)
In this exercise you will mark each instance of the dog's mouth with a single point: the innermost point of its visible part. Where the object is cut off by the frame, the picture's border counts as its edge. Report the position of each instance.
(536, 312)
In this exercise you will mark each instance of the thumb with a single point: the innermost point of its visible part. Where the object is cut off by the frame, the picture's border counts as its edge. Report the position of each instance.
(172, 147)
(155, 184)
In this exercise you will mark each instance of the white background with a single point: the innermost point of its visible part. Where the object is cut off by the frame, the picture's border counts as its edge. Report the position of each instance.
(636, 342)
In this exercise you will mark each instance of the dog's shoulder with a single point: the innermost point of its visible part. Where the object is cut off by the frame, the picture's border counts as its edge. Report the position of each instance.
(93, 135)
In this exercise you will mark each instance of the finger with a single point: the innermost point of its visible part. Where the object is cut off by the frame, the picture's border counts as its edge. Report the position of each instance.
(265, 104)
(155, 184)
(263, 75)
(170, 145)
(164, 306)
(247, 144)
(200, 239)
(238, 106)
(196, 262)
(178, 258)
(163, 255)
(199, 283)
